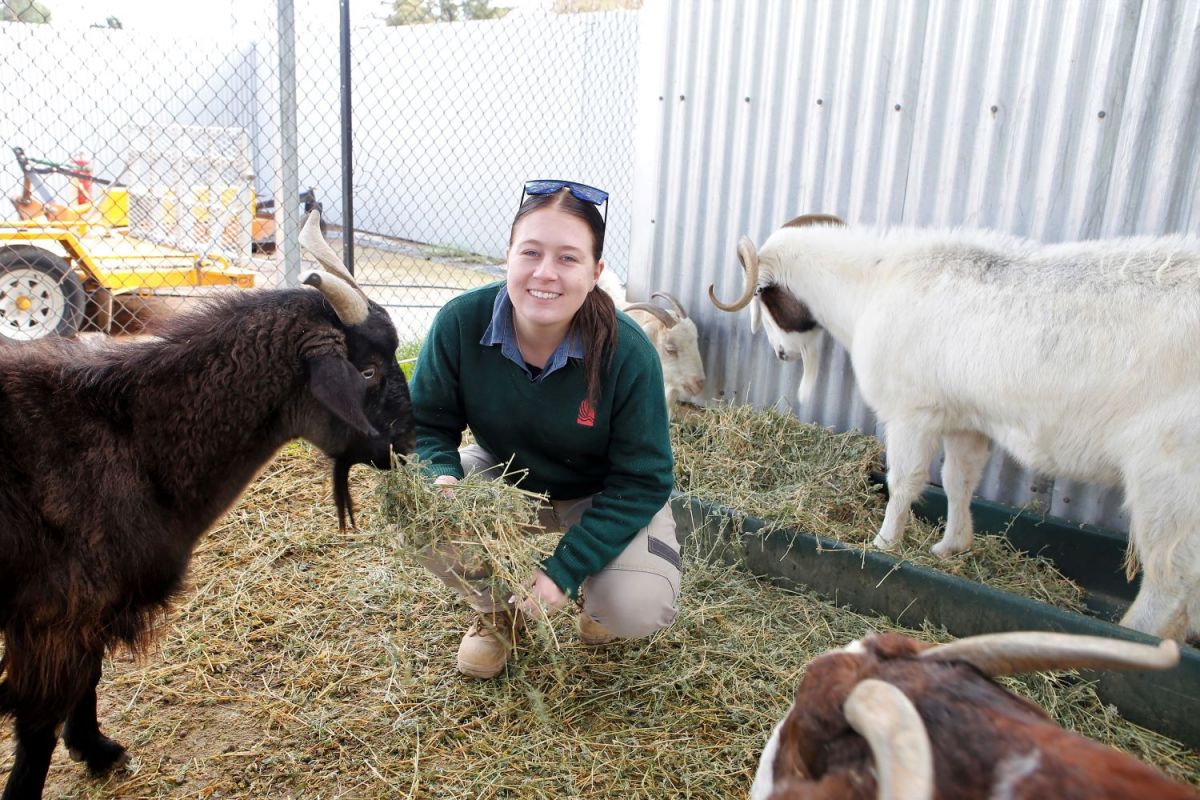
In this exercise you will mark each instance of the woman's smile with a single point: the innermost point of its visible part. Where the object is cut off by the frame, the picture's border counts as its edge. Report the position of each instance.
(551, 269)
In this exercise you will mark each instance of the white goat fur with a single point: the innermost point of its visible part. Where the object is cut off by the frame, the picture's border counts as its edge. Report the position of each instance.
(678, 346)
(1082, 360)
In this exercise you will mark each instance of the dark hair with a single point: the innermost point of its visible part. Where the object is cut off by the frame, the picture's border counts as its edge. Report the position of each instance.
(596, 319)
(563, 199)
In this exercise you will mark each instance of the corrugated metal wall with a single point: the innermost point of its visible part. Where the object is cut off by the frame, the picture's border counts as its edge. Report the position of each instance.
(1053, 120)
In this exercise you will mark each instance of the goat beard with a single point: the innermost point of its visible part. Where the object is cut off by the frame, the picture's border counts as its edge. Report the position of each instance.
(810, 357)
(341, 491)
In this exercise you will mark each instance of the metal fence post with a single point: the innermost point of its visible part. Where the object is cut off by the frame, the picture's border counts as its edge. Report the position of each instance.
(347, 142)
(287, 190)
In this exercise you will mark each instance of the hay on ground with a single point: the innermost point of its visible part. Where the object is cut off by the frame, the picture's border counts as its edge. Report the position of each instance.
(794, 474)
(304, 662)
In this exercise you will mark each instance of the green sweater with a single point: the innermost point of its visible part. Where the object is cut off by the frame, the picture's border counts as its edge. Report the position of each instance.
(623, 457)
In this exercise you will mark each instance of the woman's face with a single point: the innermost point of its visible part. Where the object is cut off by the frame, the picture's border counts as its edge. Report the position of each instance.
(551, 269)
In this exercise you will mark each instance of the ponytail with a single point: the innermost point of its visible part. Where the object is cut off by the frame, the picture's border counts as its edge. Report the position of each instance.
(596, 325)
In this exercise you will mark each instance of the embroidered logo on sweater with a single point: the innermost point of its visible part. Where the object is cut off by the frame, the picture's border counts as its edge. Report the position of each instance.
(587, 415)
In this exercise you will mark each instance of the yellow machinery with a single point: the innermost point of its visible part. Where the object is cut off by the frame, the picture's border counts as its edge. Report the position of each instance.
(57, 278)
(62, 266)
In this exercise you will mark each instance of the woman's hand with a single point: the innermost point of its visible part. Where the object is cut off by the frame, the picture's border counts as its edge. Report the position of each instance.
(447, 481)
(547, 591)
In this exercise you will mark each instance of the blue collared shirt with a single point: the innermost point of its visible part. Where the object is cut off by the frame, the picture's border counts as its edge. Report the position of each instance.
(501, 332)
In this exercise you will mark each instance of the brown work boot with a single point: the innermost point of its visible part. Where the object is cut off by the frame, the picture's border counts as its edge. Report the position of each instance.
(485, 648)
(592, 632)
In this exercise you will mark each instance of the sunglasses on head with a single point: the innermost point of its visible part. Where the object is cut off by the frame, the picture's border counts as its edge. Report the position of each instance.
(581, 191)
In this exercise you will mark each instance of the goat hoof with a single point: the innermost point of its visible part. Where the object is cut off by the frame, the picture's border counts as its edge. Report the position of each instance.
(98, 768)
(882, 543)
(944, 550)
(112, 756)
(102, 756)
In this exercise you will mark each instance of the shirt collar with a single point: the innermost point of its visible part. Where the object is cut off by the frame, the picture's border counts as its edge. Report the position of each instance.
(501, 332)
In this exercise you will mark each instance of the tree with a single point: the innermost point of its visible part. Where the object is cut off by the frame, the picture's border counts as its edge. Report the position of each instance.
(588, 6)
(109, 22)
(420, 12)
(23, 11)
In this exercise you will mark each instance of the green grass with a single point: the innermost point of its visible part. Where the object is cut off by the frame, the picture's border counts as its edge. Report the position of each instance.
(458, 254)
(406, 354)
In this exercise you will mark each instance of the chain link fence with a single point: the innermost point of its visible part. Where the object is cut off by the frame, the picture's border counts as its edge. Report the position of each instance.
(146, 147)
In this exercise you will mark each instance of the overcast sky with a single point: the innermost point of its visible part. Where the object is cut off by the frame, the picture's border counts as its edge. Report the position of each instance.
(200, 17)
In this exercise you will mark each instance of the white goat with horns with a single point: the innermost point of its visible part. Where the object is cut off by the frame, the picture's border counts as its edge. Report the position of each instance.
(1079, 359)
(674, 336)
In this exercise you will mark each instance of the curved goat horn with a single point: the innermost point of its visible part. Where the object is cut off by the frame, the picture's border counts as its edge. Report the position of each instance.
(670, 298)
(996, 654)
(664, 316)
(749, 258)
(881, 714)
(347, 301)
(804, 220)
(312, 241)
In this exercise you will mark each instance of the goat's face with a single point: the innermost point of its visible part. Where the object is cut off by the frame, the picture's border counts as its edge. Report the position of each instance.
(792, 329)
(679, 349)
(815, 730)
(854, 720)
(364, 412)
(677, 342)
(371, 348)
(365, 408)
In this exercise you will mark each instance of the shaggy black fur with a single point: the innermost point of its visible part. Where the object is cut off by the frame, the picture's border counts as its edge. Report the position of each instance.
(115, 458)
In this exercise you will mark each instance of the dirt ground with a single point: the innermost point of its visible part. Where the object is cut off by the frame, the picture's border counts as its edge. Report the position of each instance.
(411, 280)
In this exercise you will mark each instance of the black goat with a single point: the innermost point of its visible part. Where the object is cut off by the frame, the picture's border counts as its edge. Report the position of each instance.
(114, 459)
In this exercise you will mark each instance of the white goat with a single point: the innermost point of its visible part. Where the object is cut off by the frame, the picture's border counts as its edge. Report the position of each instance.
(1079, 359)
(674, 336)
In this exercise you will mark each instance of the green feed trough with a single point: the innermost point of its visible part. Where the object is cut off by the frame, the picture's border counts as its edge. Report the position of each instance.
(870, 581)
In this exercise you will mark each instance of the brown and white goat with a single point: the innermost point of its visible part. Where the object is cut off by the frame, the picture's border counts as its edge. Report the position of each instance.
(117, 458)
(892, 718)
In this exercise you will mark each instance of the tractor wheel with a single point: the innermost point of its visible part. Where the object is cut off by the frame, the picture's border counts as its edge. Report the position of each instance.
(40, 295)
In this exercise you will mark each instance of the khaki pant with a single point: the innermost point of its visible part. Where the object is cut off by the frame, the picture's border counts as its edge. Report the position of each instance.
(632, 597)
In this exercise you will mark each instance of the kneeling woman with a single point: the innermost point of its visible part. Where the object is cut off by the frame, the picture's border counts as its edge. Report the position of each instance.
(545, 372)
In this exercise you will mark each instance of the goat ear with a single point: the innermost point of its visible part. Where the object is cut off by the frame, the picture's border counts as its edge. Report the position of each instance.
(755, 314)
(339, 386)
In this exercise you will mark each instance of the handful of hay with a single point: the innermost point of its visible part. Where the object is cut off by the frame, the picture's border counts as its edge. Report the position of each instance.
(796, 474)
(490, 522)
